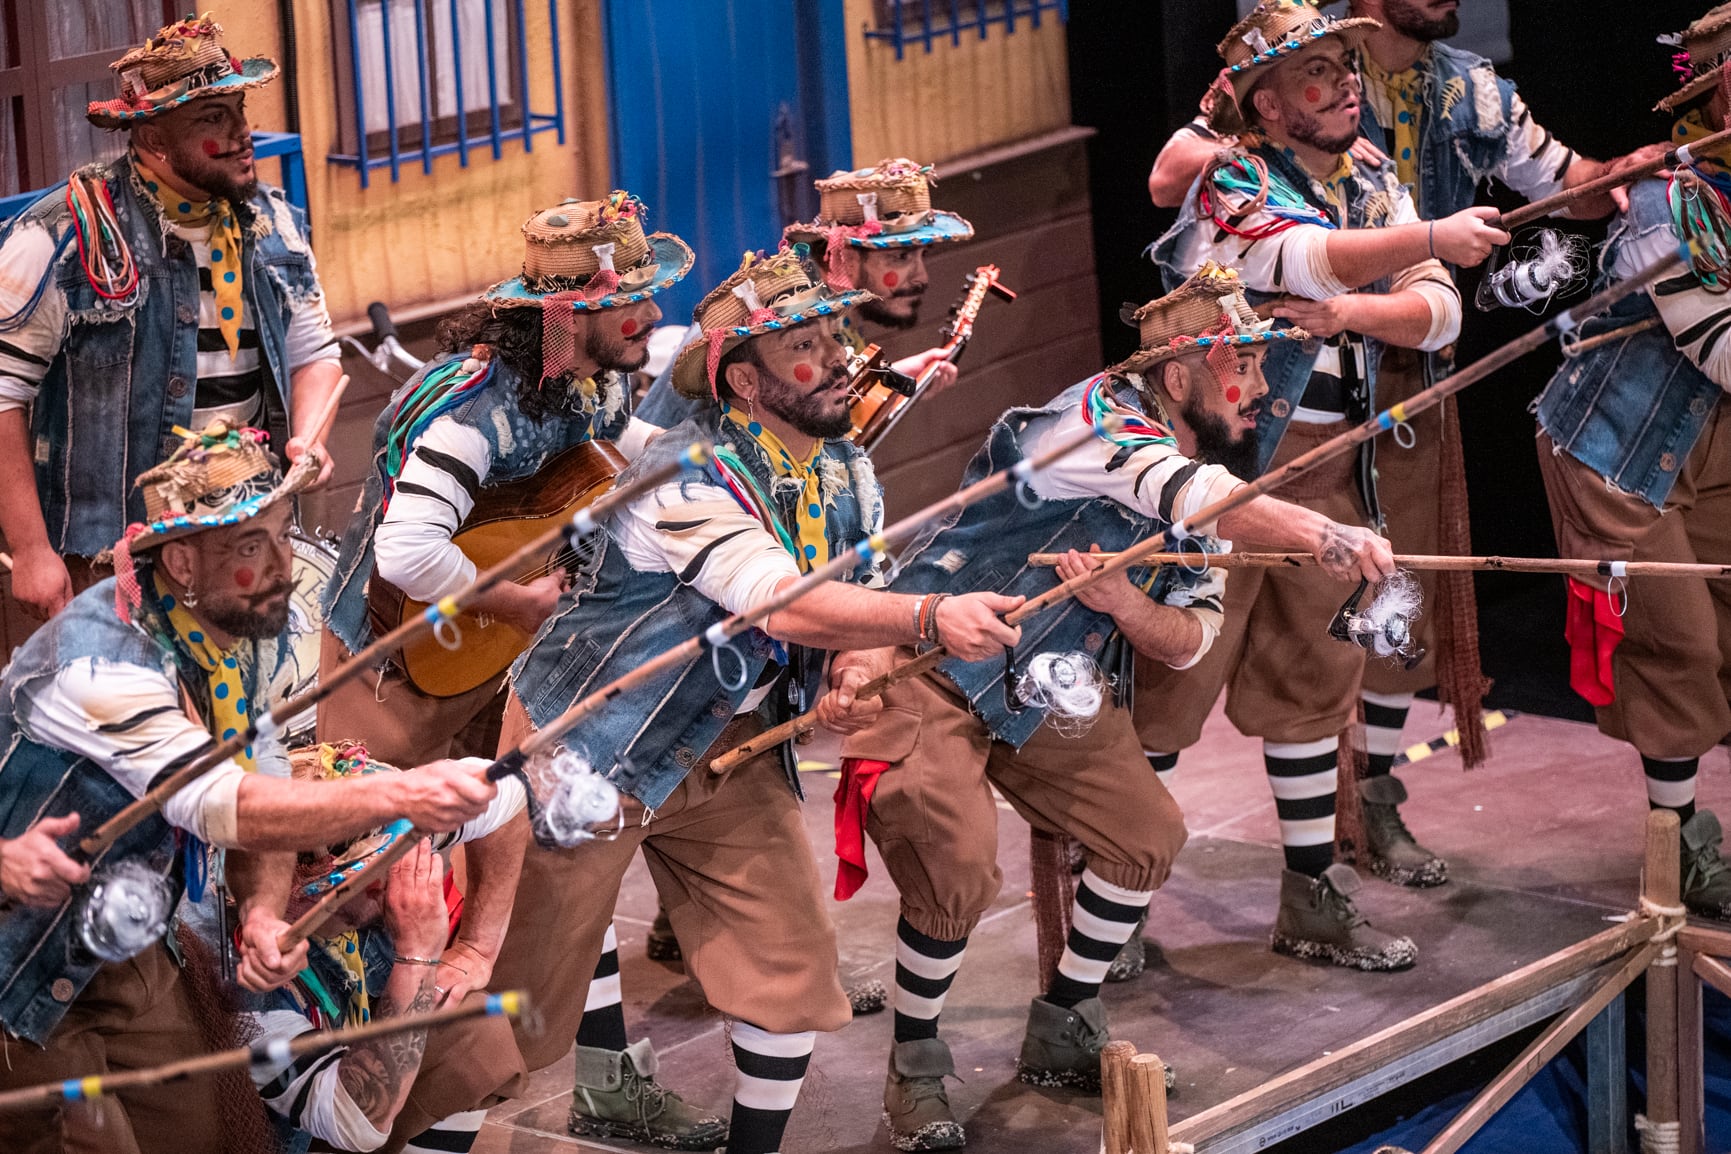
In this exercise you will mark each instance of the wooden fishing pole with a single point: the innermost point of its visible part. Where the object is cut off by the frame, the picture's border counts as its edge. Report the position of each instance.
(271, 721)
(1683, 154)
(716, 636)
(509, 1004)
(1155, 545)
(1424, 562)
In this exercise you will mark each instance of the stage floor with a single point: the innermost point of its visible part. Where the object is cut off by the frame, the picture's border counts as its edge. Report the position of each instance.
(1544, 845)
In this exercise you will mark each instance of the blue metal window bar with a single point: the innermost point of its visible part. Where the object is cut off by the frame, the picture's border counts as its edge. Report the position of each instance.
(904, 22)
(531, 122)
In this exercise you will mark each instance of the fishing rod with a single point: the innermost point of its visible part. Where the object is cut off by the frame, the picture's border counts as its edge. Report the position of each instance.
(1424, 562)
(1564, 322)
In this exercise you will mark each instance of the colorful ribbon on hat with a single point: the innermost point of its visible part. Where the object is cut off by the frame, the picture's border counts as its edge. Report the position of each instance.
(835, 240)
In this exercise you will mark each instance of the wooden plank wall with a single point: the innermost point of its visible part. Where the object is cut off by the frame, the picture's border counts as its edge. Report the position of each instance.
(1031, 218)
(957, 99)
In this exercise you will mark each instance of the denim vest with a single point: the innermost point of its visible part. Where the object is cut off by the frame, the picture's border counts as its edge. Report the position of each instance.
(1289, 364)
(1463, 137)
(1630, 410)
(617, 618)
(41, 957)
(520, 447)
(986, 548)
(127, 371)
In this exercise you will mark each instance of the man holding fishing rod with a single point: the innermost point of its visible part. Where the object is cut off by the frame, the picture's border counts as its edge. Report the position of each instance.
(140, 675)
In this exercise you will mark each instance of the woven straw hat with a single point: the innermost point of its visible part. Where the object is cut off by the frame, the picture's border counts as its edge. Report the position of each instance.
(886, 206)
(768, 293)
(182, 62)
(1705, 50)
(221, 476)
(1207, 311)
(1276, 29)
(597, 252)
(318, 871)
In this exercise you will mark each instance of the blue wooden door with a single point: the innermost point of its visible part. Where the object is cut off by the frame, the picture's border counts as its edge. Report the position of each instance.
(722, 112)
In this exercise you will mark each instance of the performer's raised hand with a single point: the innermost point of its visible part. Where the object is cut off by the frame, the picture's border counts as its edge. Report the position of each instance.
(944, 376)
(1467, 238)
(1646, 154)
(970, 626)
(1107, 595)
(1364, 152)
(1349, 553)
(262, 966)
(1320, 318)
(34, 869)
(298, 447)
(442, 795)
(415, 911)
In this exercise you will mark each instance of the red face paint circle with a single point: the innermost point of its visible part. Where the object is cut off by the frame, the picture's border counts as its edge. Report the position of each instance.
(1313, 94)
(211, 147)
(802, 374)
(892, 279)
(1233, 392)
(244, 577)
(627, 327)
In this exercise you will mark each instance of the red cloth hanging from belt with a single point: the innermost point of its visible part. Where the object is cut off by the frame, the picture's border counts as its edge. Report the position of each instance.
(853, 800)
(1593, 629)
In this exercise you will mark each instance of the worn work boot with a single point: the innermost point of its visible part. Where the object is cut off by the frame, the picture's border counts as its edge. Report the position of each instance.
(1317, 919)
(1706, 875)
(1062, 1047)
(916, 1105)
(661, 945)
(1132, 957)
(1390, 849)
(869, 997)
(617, 1097)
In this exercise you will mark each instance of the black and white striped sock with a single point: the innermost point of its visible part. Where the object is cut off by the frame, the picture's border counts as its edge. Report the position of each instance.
(771, 1069)
(1671, 783)
(1302, 776)
(1164, 765)
(1384, 718)
(1101, 921)
(453, 1135)
(603, 1025)
(925, 967)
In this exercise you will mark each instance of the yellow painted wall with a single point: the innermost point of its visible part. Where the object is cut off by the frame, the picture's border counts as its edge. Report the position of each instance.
(958, 99)
(437, 237)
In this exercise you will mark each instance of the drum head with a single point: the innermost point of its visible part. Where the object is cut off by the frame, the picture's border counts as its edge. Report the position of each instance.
(314, 565)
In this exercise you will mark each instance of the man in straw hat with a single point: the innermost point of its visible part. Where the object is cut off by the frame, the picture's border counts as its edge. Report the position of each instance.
(139, 287)
(383, 955)
(1449, 122)
(1635, 450)
(872, 231)
(139, 675)
(1303, 222)
(729, 854)
(922, 776)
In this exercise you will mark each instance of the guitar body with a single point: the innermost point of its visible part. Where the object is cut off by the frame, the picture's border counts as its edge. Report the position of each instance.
(504, 518)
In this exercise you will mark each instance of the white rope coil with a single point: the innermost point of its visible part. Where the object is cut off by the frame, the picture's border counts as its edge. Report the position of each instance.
(1659, 1137)
(1068, 686)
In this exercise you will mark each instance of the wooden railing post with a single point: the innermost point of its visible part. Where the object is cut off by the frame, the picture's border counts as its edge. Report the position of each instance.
(1148, 1105)
(1116, 1096)
(1661, 889)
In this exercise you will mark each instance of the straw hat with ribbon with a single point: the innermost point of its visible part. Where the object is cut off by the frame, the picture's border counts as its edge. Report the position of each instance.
(1704, 50)
(768, 293)
(1276, 29)
(184, 61)
(216, 478)
(886, 206)
(318, 871)
(584, 256)
(1206, 314)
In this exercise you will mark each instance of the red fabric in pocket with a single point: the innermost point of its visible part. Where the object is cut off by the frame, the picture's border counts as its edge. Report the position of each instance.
(853, 800)
(1593, 630)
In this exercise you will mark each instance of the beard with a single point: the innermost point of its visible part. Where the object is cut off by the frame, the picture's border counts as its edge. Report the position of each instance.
(803, 408)
(246, 618)
(877, 314)
(1409, 19)
(617, 355)
(1218, 444)
(1308, 129)
(203, 172)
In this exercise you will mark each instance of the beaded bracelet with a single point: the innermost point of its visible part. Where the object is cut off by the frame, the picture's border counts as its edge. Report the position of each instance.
(929, 628)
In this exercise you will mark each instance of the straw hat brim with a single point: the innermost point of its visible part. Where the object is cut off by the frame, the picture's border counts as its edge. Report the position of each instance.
(301, 476)
(254, 72)
(1143, 359)
(943, 228)
(1698, 87)
(672, 258)
(1352, 29)
(690, 368)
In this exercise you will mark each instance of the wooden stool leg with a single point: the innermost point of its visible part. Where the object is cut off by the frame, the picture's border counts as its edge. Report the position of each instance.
(1661, 890)
(1115, 1093)
(1148, 1104)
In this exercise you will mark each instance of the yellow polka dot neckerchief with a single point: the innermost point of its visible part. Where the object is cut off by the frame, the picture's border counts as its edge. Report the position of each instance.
(1403, 102)
(812, 519)
(228, 701)
(223, 235)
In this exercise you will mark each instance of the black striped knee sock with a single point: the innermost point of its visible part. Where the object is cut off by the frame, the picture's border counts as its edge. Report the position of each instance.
(603, 1025)
(1164, 765)
(1101, 921)
(1302, 776)
(1671, 783)
(1384, 718)
(771, 1069)
(453, 1135)
(925, 967)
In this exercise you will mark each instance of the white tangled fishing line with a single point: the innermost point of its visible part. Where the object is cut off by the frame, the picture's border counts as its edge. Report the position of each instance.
(1550, 264)
(1384, 627)
(570, 803)
(1068, 686)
